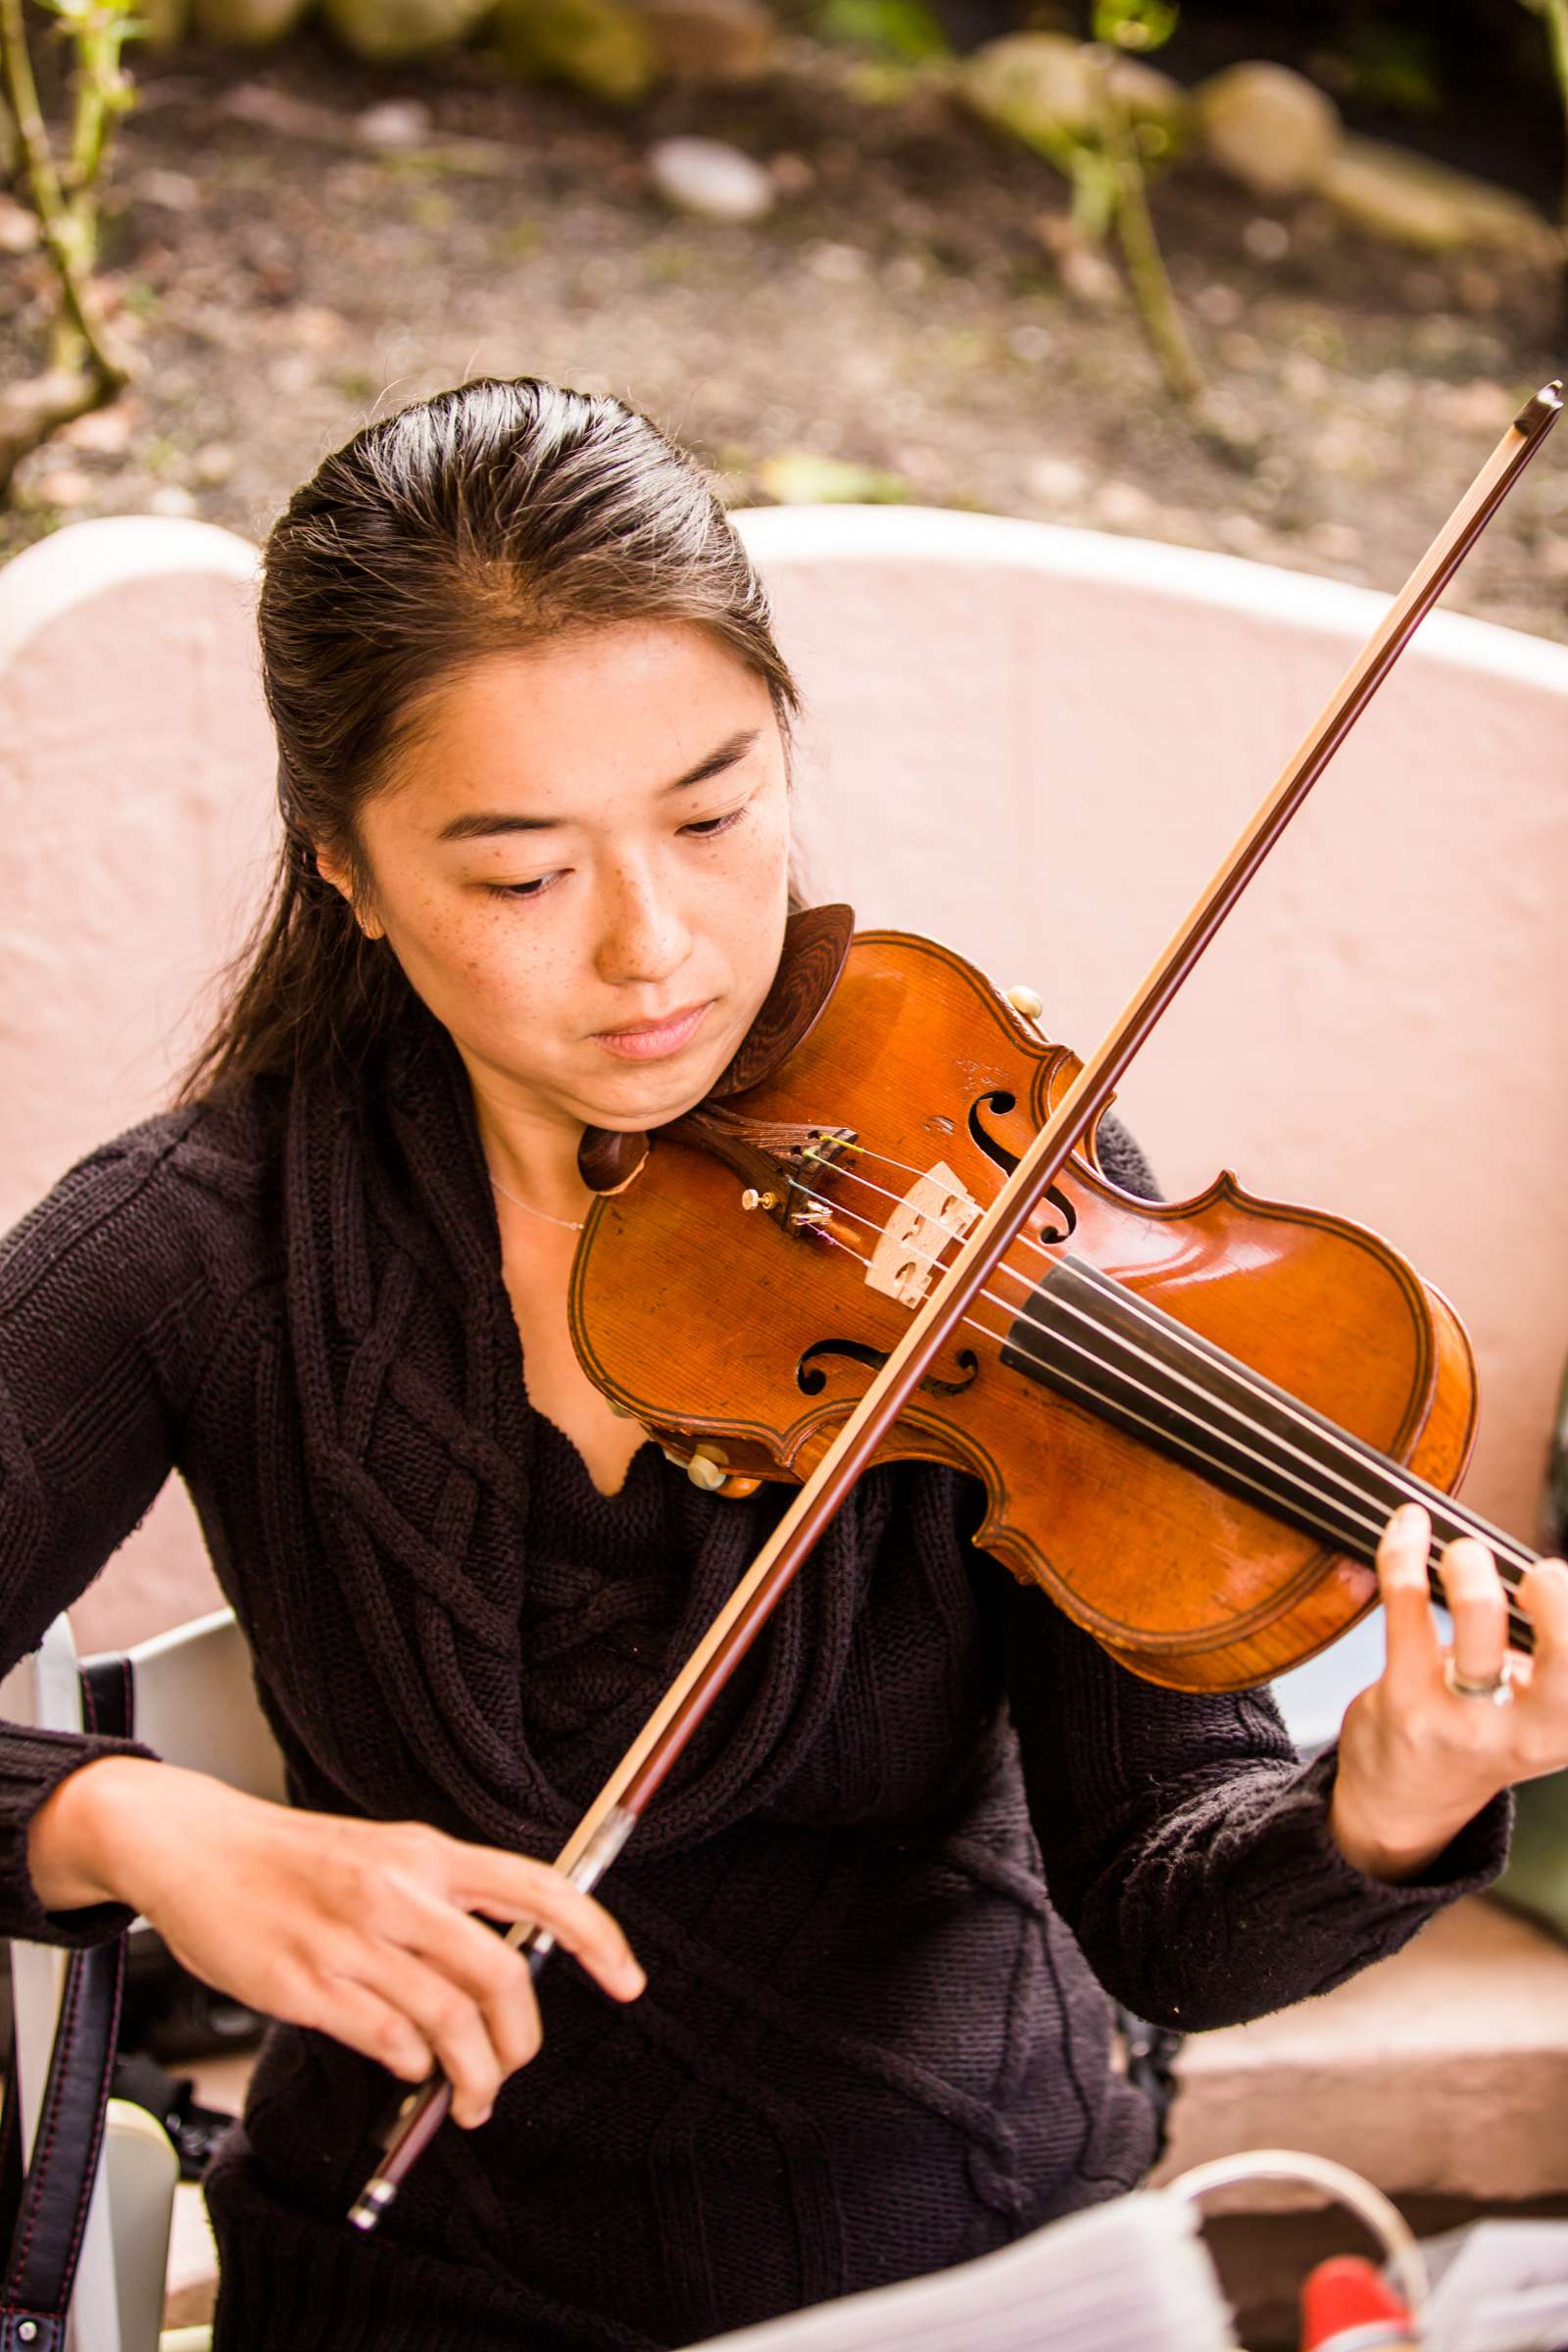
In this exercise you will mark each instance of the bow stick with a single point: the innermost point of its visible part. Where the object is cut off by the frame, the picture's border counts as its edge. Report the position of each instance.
(609, 1820)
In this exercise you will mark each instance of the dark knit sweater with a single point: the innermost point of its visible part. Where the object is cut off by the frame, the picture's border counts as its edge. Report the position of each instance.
(871, 2044)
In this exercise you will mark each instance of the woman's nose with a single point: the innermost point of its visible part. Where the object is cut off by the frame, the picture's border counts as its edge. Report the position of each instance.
(643, 936)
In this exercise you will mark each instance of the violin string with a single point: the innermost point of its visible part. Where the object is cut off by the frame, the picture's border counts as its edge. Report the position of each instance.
(1507, 1561)
(1510, 1555)
(1328, 1506)
(1324, 1525)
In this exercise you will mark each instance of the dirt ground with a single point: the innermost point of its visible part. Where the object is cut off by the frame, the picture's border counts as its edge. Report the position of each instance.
(283, 281)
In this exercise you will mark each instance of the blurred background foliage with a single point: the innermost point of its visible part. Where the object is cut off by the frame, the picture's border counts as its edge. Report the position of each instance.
(1231, 274)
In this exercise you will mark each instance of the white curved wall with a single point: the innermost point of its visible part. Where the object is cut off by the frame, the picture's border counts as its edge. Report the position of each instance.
(135, 781)
(1034, 743)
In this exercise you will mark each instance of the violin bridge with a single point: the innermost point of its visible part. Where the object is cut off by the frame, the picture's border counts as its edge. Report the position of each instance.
(934, 1211)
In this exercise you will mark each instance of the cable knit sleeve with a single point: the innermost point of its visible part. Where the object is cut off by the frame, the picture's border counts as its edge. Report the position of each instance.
(1184, 1840)
(1188, 1846)
(98, 1299)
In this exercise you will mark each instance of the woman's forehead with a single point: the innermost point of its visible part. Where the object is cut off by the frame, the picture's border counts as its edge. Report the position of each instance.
(574, 731)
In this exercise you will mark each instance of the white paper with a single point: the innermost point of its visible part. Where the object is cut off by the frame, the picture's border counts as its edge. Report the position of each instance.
(1499, 2286)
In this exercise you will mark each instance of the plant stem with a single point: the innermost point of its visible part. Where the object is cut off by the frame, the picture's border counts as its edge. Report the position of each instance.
(1135, 229)
(85, 370)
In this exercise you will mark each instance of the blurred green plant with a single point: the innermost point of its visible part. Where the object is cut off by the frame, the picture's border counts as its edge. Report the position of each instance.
(1107, 172)
(1389, 64)
(1097, 128)
(85, 365)
(1554, 12)
(905, 30)
(803, 477)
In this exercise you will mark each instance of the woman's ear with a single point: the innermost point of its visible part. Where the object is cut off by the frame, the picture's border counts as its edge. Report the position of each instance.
(335, 870)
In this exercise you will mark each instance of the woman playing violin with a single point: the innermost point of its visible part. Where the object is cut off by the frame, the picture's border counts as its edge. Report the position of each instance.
(535, 784)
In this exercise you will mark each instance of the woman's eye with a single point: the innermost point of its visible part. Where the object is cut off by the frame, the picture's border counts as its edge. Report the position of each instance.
(709, 828)
(520, 890)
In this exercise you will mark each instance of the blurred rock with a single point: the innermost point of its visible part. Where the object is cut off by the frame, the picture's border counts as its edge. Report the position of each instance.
(279, 111)
(712, 40)
(1031, 342)
(706, 178)
(62, 486)
(246, 24)
(1334, 542)
(792, 175)
(171, 191)
(1424, 205)
(1390, 391)
(1040, 87)
(1059, 480)
(20, 230)
(837, 265)
(1269, 129)
(1239, 349)
(1218, 304)
(1266, 240)
(169, 498)
(313, 328)
(213, 463)
(1124, 507)
(105, 431)
(1243, 534)
(397, 123)
(384, 30)
(606, 47)
(1554, 558)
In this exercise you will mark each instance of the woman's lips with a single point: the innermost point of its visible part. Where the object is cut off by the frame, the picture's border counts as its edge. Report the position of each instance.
(653, 1041)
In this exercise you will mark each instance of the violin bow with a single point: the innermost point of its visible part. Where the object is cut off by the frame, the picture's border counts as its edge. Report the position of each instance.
(609, 1820)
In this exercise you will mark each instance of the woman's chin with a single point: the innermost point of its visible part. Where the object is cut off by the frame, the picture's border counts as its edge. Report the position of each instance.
(641, 1098)
(630, 1096)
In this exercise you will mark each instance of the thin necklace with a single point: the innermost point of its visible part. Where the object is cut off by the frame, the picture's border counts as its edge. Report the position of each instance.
(571, 1224)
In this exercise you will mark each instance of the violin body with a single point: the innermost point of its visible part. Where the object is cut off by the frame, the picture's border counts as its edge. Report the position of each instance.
(1127, 1389)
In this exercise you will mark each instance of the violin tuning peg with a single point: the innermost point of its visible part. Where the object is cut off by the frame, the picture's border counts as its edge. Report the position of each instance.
(704, 1472)
(1025, 1002)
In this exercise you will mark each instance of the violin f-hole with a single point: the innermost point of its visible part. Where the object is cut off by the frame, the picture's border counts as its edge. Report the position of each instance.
(1001, 1102)
(810, 1379)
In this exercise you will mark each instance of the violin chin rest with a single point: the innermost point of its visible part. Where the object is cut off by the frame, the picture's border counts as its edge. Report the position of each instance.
(816, 941)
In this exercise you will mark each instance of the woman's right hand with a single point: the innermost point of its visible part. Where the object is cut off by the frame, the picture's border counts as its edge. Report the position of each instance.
(361, 1929)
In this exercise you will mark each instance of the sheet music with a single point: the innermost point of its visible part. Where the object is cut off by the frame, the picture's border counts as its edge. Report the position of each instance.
(1133, 2271)
(1499, 2286)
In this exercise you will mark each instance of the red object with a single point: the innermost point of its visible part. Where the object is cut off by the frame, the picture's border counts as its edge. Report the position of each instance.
(1343, 2293)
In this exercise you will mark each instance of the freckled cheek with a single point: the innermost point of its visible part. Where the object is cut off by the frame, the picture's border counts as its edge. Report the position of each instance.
(479, 955)
(751, 886)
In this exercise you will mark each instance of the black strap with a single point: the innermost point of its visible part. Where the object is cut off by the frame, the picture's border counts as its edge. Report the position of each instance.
(1150, 2053)
(45, 2212)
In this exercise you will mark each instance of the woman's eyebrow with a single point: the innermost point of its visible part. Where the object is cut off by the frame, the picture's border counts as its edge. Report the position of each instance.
(478, 821)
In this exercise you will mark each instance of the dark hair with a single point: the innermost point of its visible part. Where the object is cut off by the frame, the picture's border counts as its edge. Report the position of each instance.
(491, 516)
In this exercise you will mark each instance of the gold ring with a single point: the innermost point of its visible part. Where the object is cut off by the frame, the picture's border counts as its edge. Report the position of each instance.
(1500, 1689)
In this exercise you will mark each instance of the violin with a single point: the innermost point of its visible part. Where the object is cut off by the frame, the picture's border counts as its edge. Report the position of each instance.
(886, 1235)
(1255, 1385)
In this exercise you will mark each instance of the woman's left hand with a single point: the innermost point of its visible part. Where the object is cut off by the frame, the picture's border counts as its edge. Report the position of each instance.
(1419, 1759)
